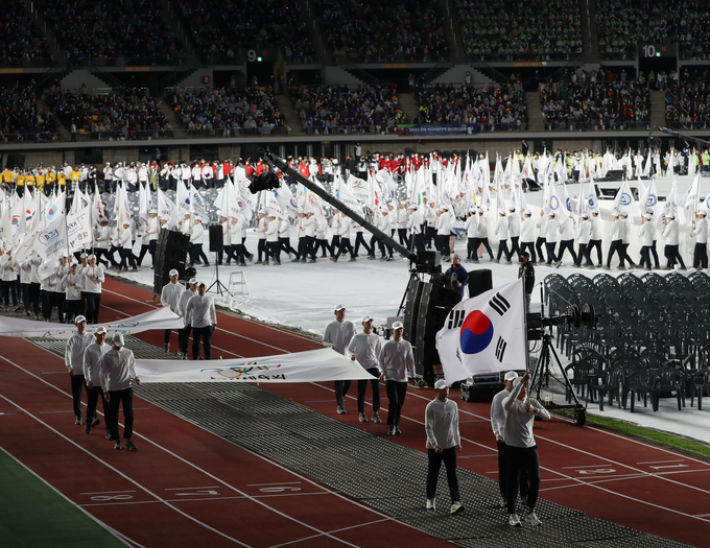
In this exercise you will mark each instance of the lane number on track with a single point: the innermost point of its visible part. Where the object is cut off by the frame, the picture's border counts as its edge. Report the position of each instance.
(595, 471)
(279, 489)
(201, 492)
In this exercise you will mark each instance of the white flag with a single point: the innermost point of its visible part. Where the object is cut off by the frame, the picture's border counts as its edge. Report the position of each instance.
(79, 230)
(167, 210)
(624, 201)
(52, 241)
(555, 205)
(484, 334)
(285, 198)
(592, 198)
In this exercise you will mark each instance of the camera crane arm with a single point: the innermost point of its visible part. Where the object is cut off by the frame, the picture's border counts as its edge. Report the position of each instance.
(275, 161)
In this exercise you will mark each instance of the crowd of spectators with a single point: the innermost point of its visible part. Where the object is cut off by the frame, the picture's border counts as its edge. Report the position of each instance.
(491, 108)
(516, 29)
(219, 28)
(130, 113)
(227, 112)
(599, 100)
(338, 109)
(688, 105)
(116, 33)
(21, 120)
(623, 24)
(21, 41)
(372, 31)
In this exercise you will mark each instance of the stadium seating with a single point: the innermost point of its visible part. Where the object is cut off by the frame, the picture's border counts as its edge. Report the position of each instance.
(369, 31)
(687, 105)
(514, 30)
(21, 41)
(492, 108)
(332, 109)
(601, 102)
(21, 120)
(125, 114)
(219, 28)
(227, 112)
(116, 33)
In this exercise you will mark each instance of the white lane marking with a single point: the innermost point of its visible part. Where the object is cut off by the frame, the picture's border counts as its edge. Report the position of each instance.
(106, 492)
(111, 530)
(117, 471)
(191, 464)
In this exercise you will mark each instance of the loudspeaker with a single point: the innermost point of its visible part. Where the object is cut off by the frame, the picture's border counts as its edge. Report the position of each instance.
(411, 308)
(435, 304)
(170, 252)
(479, 281)
(216, 239)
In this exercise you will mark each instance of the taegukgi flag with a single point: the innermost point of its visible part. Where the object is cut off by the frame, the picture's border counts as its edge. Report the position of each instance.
(484, 334)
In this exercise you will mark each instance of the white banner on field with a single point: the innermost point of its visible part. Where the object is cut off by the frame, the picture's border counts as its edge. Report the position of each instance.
(324, 364)
(160, 318)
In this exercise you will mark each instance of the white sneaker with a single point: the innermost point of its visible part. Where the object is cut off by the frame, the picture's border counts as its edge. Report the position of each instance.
(376, 418)
(513, 520)
(431, 504)
(533, 519)
(341, 410)
(503, 502)
(363, 418)
(456, 507)
(391, 431)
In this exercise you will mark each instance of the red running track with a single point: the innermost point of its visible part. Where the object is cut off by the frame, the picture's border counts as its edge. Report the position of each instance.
(603, 474)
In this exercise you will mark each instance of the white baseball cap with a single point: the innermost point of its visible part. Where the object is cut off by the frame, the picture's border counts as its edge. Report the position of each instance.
(118, 339)
(99, 330)
(338, 307)
(366, 319)
(397, 325)
(174, 272)
(440, 384)
(193, 281)
(510, 376)
(79, 319)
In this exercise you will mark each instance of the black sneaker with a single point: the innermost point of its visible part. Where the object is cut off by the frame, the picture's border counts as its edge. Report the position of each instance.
(87, 429)
(130, 446)
(118, 444)
(95, 422)
(108, 436)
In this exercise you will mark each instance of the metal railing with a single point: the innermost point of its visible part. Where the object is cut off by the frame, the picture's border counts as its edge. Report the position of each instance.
(27, 137)
(517, 57)
(355, 58)
(700, 124)
(571, 125)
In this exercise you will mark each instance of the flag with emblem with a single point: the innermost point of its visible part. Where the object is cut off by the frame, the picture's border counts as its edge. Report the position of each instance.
(484, 334)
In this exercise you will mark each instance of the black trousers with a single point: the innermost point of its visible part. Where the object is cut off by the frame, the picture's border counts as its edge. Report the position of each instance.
(184, 338)
(9, 288)
(46, 305)
(551, 257)
(530, 248)
(310, 249)
(449, 458)
(118, 398)
(503, 248)
(144, 251)
(567, 245)
(30, 297)
(403, 240)
(100, 252)
(538, 245)
(341, 390)
(334, 244)
(204, 333)
(261, 249)
(503, 473)
(344, 246)
(625, 253)
(655, 255)
(93, 304)
(74, 308)
(484, 242)
(615, 247)
(273, 250)
(285, 245)
(430, 235)
(645, 256)
(196, 254)
(672, 255)
(360, 241)
(583, 253)
(166, 337)
(442, 245)
(514, 245)
(77, 382)
(522, 459)
(362, 390)
(126, 257)
(92, 398)
(417, 242)
(322, 244)
(598, 245)
(700, 255)
(396, 392)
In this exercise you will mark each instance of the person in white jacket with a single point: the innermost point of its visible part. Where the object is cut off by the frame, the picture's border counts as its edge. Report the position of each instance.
(94, 277)
(552, 228)
(197, 237)
(527, 235)
(74, 360)
(170, 296)
(646, 235)
(672, 236)
(9, 271)
(700, 232)
(514, 231)
(503, 234)
(567, 240)
(125, 247)
(471, 226)
(273, 250)
(584, 233)
(345, 246)
(482, 236)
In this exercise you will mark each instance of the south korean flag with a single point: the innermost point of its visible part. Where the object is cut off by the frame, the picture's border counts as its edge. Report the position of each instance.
(484, 334)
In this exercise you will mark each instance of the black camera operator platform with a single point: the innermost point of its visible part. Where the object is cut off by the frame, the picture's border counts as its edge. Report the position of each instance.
(548, 367)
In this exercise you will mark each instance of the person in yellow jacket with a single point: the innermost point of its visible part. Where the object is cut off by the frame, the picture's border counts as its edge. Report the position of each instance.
(74, 177)
(20, 182)
(29, 178)
(51, 180)
(40, 178)
(8, 178)
(61, 181)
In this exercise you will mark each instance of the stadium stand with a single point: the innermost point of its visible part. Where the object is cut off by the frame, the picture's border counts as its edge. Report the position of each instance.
(227, 112)
(336, 109)
(369, 31)
(603, 101)
(113, 33)
(688, 105)
(625, 23)
(124, 114)
(515, 30)
(220, 28)
(21, 42)
(490, 108)
(22, 120)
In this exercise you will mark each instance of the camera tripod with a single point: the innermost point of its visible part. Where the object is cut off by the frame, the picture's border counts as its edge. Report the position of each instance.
(542, 374)
(220, 286)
